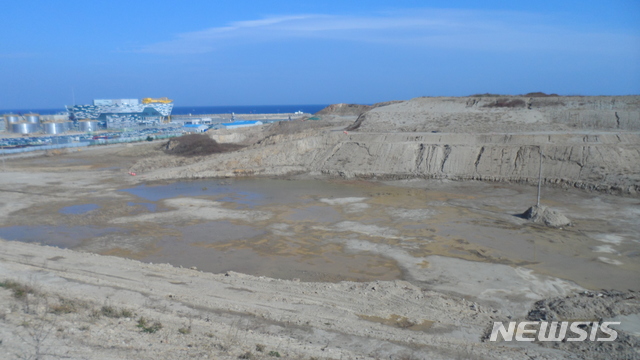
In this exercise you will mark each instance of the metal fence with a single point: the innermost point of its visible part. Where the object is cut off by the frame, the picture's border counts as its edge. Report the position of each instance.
(86, 143)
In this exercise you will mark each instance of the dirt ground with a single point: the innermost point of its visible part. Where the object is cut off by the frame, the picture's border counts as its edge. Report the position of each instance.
(407, 269)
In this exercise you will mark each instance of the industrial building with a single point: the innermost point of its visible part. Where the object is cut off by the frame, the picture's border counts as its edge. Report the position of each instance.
(123, 113)
(195, 128)
(191, 120)
(104, 113)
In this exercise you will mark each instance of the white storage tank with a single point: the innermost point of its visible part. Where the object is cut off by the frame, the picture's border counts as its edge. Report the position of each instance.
(88, 125)
(10, 119)
(55, 127)
(32, 118)
(25, 128)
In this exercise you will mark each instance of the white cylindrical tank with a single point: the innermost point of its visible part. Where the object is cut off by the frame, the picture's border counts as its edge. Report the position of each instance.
(11, 118)
(25, 128)
(32, 118)
(54, 127)
(88, 125)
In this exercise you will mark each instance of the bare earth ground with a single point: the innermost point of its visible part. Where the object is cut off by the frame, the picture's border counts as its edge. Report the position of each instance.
(434, 299)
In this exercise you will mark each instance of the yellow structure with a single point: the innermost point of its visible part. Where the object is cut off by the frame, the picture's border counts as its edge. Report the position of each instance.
(162, 100)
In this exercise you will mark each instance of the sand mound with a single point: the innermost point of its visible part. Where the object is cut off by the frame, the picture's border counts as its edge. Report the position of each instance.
(352, 109)
(295, 126)
(196, 145)
(606, 305)
(503, 113)
(547, 216)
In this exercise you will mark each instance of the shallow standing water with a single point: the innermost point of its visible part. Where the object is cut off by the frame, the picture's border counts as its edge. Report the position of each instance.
(350, 230)
(79, 209)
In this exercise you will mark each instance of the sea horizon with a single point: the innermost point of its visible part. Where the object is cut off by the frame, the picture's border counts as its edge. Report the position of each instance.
(204, 109)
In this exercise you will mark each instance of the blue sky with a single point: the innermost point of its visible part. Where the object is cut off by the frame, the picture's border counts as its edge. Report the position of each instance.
(311, 52)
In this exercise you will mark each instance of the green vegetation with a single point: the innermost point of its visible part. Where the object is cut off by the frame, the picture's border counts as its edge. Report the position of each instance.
(149, 328)
(111, 312)
(20, 291)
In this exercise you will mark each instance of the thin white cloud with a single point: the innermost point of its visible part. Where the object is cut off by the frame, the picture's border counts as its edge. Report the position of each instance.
(461, 29)
(268, 21)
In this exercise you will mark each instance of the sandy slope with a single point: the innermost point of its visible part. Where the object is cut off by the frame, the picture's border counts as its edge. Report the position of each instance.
(585, 142)
(228, 314)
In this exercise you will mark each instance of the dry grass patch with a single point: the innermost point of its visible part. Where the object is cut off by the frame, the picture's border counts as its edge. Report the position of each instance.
(20, 291)
(196, 145)
(506, 103)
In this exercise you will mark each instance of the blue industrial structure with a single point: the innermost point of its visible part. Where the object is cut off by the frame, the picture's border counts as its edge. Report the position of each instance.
(245, 123)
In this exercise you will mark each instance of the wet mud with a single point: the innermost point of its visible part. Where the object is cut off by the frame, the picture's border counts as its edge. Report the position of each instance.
(316, 230)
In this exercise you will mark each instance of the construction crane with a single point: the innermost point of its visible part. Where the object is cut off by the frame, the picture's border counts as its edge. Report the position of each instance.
(162, 100)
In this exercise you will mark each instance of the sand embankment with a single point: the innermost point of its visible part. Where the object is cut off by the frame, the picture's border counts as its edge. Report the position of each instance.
(89, 306)
(585, 142)
(76, 305)
(510, 114)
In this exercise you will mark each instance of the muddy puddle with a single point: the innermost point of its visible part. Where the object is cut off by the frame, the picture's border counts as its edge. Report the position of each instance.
(60, 236)
(151, 207)
(349, 230)
(79, 209)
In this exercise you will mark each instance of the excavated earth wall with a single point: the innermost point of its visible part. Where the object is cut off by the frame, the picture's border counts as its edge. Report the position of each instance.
(586, 142)
(595, 162)
(600, 162)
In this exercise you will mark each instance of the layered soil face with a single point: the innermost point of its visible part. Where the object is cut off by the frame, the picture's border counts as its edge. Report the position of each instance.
(585, 142)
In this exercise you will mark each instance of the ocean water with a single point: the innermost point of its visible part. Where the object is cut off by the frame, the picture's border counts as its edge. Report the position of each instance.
(196, 110)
